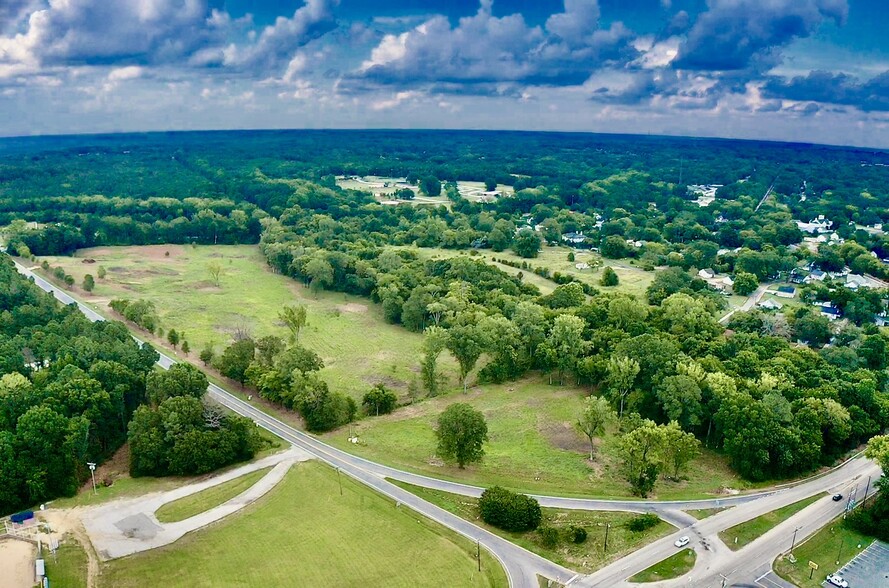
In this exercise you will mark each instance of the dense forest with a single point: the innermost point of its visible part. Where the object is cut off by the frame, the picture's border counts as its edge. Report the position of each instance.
(779, 393)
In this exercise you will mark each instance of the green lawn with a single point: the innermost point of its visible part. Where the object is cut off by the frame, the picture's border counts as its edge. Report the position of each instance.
(68, 567)
(249, 298)
(585, 557)
(832, 544)
(534, 445)
(703, 513)
(740, 535)
(202, 501)
(674, 566)
(304, 533)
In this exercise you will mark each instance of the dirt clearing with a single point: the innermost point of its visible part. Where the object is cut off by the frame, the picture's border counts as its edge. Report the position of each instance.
(17, 563)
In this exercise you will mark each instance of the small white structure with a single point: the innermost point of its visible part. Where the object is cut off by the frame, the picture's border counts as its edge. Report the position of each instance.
(574, 238)
(815, 226)
(771, 305)
(707, 274)
(582, 266)
(784, 292)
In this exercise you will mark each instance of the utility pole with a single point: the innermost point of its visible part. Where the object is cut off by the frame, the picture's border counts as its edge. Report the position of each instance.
(92, 468)
(840, 552)
(607, 526)
(724, 579)
(793, 542)
(478, 553)
(340, 480)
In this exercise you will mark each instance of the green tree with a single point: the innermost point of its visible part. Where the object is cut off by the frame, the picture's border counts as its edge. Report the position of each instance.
(615, 247)
(185, 347)
(678, 449)
(745, 283)
(235, 360)
(680, 398)
(609, 277)
(430, 185)
(173, 337)
(379, 400)
(435, 341)
(89, 283)
(214, 269)
(461, 433)
(622, 372)
(509, 511)
(595, 416)
(641, 451)
(101, 272)
(207, 353)
(294, 318)
(466, 343)
(320, 274)
(527, 243)
(182, 379)
(565, 344)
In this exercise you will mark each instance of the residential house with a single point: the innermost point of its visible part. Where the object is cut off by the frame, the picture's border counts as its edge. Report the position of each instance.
(573, 238)
(771, 305)
(707, 274)
(785, 292)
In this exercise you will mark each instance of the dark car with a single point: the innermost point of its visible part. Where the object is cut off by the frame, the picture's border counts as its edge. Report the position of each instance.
(837, 497)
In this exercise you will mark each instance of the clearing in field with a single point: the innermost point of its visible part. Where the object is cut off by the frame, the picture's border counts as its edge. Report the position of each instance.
(17, 562)
(304, 533)
(248, 298)
(534, 445)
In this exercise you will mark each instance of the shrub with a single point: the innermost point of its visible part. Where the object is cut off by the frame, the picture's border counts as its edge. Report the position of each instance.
(549, 537)
(578, 534)
(643, 522)
(609, 277)
(509, 511)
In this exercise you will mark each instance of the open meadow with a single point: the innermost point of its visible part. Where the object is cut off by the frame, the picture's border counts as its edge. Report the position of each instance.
(304, 533)
(358, 347)
(534, 445)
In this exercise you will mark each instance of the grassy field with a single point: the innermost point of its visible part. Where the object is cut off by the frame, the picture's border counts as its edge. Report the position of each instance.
(68, 567)
(320, 539)
(672, 567)
(534, 445)
(202, 501)
(585, 557)
(834, 543)
(249, 298)
(740, 535)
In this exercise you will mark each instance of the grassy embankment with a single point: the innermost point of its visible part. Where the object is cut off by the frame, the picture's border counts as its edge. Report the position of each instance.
(831, 548)
(740, 535)
(303, 533)
(68, 567)
(674, 566)
(585, 557)
(189, 506)
(358, 347)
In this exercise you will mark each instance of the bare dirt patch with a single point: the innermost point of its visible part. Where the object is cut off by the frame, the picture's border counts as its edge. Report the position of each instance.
(352, 307)
(564, 436)
(156, 252)
(17, 563)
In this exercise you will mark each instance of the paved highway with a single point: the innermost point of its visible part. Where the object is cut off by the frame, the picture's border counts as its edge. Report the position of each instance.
(522, 567)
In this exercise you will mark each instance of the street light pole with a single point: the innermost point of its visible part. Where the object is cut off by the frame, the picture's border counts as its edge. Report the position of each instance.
(840, 552)
(607, 526)
(92, 468)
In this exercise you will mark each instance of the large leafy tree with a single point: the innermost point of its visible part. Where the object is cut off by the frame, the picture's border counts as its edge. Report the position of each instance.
(594, 418)
(461, 433)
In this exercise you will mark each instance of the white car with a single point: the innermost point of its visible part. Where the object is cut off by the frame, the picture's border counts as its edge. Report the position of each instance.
(683, 541)
(837, 580)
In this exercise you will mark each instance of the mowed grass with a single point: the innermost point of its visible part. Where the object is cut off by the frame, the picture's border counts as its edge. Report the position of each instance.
(189, 506)
(740, 535)
(304, 533)
(585, 557)
(703, 513)
(68, 567)
(834, 543)
(533, 445)
(674, 566)
(358, 347)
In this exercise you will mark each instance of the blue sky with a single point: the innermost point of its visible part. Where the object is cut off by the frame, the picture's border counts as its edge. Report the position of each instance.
(795, 70)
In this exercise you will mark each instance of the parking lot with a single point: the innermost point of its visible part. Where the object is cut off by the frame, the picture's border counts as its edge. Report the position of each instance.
(870, 569)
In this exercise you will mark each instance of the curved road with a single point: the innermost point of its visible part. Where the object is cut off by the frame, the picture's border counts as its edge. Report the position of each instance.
(522, 566)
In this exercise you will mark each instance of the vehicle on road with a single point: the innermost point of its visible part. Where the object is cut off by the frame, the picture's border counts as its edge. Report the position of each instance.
(682, 541)
(837, 580)
(837, 497)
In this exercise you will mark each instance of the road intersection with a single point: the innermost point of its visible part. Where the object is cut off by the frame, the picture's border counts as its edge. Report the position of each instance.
(716, 564)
